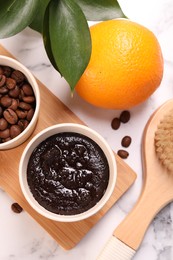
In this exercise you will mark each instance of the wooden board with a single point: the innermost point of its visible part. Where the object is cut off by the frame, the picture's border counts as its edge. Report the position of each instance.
(53, 111)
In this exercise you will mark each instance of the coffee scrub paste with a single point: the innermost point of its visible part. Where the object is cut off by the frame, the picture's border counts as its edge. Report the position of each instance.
(68, 173)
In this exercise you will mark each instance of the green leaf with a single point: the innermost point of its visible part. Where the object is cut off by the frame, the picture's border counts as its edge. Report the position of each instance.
(98, 10)
(37, 23)
(15, 15)
(67, 39)
(46, 39)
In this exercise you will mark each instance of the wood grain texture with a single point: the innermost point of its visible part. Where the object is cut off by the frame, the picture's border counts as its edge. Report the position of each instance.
(157, 187)
(53, 111)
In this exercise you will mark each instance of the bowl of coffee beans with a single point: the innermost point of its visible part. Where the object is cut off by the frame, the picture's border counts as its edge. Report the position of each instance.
(19, 103)
(67, 172)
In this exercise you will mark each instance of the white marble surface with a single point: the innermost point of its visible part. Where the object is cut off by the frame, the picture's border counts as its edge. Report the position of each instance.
(20, 236)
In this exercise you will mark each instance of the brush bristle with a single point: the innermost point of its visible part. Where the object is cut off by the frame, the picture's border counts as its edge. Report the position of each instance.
(164, 141)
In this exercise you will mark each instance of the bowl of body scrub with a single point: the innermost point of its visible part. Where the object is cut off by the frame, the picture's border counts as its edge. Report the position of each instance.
(67, 172)
(19, 103)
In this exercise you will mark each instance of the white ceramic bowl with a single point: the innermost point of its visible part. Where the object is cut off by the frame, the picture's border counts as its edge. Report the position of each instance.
(6, 61)
(67, 127)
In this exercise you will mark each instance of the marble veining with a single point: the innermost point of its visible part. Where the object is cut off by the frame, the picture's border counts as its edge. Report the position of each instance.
(20, 236)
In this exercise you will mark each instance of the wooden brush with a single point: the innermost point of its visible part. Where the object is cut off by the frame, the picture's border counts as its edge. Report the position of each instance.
(157, 188)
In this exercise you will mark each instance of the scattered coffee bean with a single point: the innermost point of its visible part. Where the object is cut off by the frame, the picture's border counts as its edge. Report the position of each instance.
(123, 154)
(125, 116)
(16, 208)
(17, 103)
(115, 123)
(126, 141)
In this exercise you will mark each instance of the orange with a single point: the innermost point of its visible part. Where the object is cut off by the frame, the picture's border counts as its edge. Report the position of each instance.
(125, 68)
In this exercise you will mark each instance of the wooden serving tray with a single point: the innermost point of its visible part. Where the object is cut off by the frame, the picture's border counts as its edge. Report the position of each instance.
(53, 111)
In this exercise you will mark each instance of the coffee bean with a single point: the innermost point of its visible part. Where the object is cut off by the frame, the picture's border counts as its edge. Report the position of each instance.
(3, 90)
(6, 139)
(23, 123)
(18, 76)
(16, 208)
(29, 99)
(21, 95)
(27, 89)
(30, 114)
(126, 141)
(6, 101)
(125, 116)
(15, 130)
(2, 80)
(21, 114)
(1, 70)
(3, 124)
(115, 123)
(25, 106)
(14, 104)
(123, 154)
(5, 133)
(10, 83)
(10, 116)
(1, 111)
(14, 92)
(17, 103)
(7, 71)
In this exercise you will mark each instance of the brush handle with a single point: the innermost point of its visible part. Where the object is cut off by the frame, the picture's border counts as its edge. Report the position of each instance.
(157, 192)
(129, 234)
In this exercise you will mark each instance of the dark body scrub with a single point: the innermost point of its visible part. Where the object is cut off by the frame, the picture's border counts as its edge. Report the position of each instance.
(68, 173)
